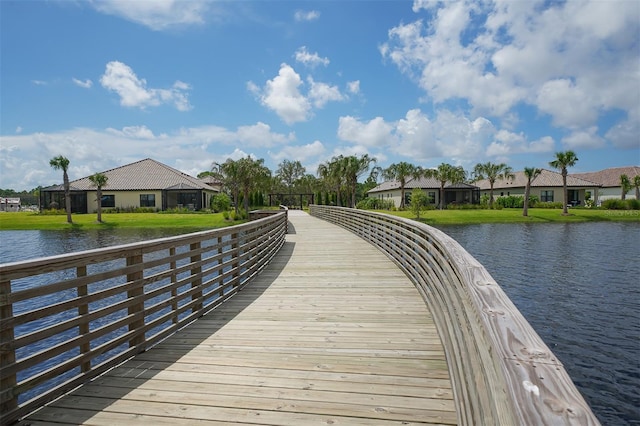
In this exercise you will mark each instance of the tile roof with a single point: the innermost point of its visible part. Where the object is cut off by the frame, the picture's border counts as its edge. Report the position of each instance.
(610, 177)
(143, 175)
(422, 183)
(547, 178)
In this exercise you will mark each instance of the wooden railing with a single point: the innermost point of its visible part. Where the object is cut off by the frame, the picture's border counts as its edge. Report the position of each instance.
(66, 319)
(502, 371)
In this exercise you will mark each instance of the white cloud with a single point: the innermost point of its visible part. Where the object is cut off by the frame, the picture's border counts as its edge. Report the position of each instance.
(567, 59)
(354, 87)
(133, 91)
(321, 93)
(375, 133)
(302, 153)
(302, 16)
(91, 150)
(84, 84)
(507, 143)
(587, 138)
(19, 129)
(303, 56)
(39, 82)
(282, 95)
(626, 134)
(157, 14)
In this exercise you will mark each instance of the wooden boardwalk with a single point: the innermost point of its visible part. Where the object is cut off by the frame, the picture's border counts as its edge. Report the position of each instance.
(331, 332)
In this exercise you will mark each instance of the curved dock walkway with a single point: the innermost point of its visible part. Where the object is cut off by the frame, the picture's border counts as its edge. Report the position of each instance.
(331, 333)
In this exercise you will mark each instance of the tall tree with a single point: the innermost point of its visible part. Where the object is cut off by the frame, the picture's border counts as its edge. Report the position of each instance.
(352, 168)
(402, 172)
(446, 173)
(530, 173)
(289, 173)
(563, 161)
(492, 172)
(62, 163)
(99, 180)
(625, 186)
(636, 184)
(227, 174)
(332, 178)
(253, 175)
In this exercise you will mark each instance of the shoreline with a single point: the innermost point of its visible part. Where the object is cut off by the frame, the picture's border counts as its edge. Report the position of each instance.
(20, 221)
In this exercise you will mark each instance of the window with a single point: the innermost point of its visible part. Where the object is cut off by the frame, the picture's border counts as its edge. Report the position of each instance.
(432, 197)
(108, 201)
(147, 200)
(546, 196)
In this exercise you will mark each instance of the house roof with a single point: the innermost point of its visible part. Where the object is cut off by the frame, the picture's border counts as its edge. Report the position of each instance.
(610, 177)
(547, 178)
(143, 175)
(422, 183)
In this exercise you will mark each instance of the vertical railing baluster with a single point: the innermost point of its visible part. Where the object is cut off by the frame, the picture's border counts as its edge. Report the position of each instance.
(174, 290)
(83, 311)
(235, 254)
(7, 352)
(196, 260)
(137, 309)
(220, 271)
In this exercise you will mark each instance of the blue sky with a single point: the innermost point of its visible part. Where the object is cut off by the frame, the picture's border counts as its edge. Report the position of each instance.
(189, 83)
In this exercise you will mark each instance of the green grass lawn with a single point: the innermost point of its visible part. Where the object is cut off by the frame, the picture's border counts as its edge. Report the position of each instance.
(193, 221)
(467, 217)
(29, 220)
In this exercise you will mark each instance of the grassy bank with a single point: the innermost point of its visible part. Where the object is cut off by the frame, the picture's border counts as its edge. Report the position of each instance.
(29, 220)
(468, 217)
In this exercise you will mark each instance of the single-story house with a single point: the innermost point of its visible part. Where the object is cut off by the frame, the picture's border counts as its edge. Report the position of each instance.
(547, 187)
(459, 193)
(145, 183)
(9, 204)
(609, 180)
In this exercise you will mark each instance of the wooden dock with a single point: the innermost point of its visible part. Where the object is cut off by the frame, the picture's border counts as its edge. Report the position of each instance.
(331, 332)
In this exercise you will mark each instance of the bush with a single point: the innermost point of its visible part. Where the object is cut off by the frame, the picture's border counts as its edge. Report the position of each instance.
(220, 203)
(375, 204)
(618, 204)
(51, 212)
(510, 202)
(548, 205)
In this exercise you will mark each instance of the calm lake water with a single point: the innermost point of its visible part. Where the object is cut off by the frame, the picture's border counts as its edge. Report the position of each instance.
(577, 284)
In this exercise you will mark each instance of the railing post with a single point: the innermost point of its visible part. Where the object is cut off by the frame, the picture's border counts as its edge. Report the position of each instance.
(197, 282)
(137, 309)
(7, 353)
(83, 311)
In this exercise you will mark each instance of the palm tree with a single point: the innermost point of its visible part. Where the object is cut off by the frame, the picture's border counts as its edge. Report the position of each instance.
(352, 168)
(446, 173)
(562, 162)
(492, 172)
(636, 184)
(245, 174)
(62, 163)
(99, 180)
(530, 173)
(332, 177)
(401, 172)
(625, 186)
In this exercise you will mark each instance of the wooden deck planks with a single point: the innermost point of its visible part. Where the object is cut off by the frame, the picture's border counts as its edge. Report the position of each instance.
(332, 332)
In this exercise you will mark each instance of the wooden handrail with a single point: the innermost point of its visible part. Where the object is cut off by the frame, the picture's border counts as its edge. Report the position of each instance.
(66, 319)
(502, 372)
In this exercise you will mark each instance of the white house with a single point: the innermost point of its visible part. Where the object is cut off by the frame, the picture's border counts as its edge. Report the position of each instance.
(460, 193)
(9, 204)
(609, 180)
(547, 187)
(145, 183)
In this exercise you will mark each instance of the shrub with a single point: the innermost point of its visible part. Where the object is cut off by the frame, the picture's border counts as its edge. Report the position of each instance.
(510, 202)
(51, 212)
(548, 205)
(375, 204)
(220, 203)
(618, 204)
